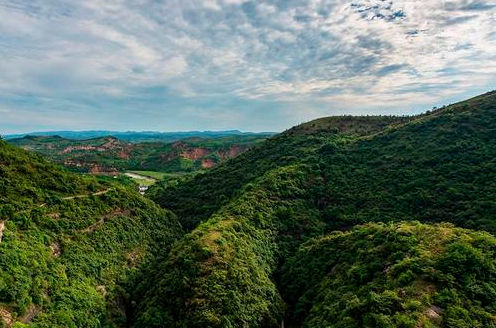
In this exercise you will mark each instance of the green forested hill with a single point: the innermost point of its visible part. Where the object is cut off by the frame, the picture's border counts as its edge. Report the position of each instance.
(339, 222)
(393, 275)
(111, 155)
(197, 198)
(69, 243)
(239, 264)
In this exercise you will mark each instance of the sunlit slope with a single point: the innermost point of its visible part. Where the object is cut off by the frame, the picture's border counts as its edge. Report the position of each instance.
(198, 197)
(68, 242)
(437, 167)
(259, 207)
(393, 275)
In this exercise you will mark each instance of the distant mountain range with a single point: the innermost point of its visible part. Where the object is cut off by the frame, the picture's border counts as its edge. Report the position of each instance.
(137, 136)
(111, 155)
(339, 222)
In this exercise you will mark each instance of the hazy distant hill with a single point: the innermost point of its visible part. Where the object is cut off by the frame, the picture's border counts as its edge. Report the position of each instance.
(133, 136)
(110, 154)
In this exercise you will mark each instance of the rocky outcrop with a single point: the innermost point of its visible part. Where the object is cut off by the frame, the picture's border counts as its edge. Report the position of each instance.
(207, 163)
(195, 154)
(234, 150)
(2, 226)
(76, 148)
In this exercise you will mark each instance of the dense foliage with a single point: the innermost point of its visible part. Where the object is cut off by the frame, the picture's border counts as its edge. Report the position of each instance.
(438, 167)
(393, 275)
(220, 274)
(246, 224)
(334, 223)
(67, 242)
(199, 196)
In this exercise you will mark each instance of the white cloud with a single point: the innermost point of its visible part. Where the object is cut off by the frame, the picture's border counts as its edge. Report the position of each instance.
(329, 53)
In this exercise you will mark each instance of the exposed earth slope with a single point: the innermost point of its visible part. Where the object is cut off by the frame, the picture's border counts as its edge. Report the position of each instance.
(111, 155)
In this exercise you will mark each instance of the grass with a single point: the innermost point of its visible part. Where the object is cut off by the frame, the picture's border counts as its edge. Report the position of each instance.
(154, 175)
(140, 179)
(149, 178)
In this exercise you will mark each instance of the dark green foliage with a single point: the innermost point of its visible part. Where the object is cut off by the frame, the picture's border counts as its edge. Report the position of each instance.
(395, 275)
(201, 195)
(439, 167)
(68, 241)
(303, 229)
(432, 168)
(219, 275)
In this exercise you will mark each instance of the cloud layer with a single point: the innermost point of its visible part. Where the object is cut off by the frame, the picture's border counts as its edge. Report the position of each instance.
(254, 65)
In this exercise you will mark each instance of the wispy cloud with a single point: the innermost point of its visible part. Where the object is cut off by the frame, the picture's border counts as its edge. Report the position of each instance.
(257, 65)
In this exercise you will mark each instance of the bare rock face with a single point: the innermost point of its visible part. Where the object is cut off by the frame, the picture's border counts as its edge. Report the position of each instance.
(123, 155)
(76, 148)
(233, 150)
(207, 163)
(6, 316)
(56, 249)
(2, 227)
(195, 153)
(434, 313)
(102, 290)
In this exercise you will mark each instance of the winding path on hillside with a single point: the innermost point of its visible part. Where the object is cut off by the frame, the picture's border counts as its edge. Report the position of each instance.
(98, 193)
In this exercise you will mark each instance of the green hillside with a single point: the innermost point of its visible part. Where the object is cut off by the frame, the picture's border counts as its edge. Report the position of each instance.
(339, 222)
(70, 243)
(248, 216)
(112, 155)
(199, 197)
(401, 275)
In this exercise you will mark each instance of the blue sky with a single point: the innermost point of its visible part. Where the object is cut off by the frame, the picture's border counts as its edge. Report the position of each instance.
(235, 64)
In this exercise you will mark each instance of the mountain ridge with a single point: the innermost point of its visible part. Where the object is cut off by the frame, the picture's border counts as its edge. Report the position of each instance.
(70, 242)
(108, 154)
(341, 222)
(249, 216)
(135, 136)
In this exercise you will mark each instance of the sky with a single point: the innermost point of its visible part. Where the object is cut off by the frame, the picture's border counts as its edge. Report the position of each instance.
(177, 65)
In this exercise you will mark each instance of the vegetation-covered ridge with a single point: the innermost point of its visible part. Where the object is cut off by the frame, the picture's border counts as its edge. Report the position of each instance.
(221, 273)
(249, 215)
(69, 243)
(198, 197)
(112, 155)
(340, 222)
(393, 275)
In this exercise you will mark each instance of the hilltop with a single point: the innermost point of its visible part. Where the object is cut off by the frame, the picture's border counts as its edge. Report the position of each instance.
(133, 136)
(393, 275)
(252, 218)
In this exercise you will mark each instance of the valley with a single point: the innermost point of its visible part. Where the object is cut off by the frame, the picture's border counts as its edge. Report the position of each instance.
(110, 155)
(247, 164)
(345, 221)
